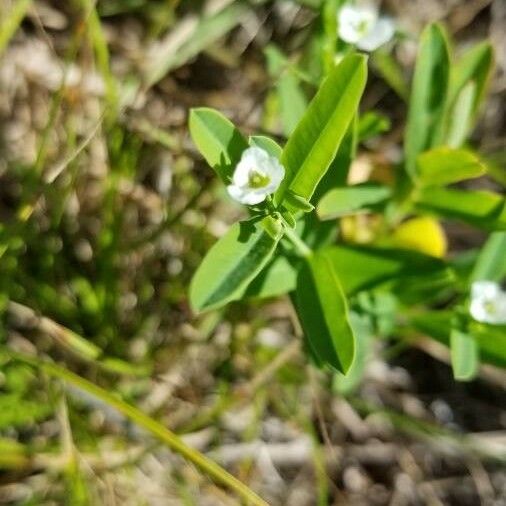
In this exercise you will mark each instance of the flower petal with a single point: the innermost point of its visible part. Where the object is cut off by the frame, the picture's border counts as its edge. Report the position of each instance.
(378, 35)
(246, 195)
(488, 303)
(354, 22)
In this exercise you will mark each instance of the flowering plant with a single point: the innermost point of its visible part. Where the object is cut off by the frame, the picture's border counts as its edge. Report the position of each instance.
(367, 258)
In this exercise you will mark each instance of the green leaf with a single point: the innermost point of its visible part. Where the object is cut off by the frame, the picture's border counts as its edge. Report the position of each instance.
(278, 278)
(351, 199)
(491, 339)
(492, 342)
(442, 166)
(482, 209)
(218, 140)
(372, 124)
(491, 262)
(428, 96)
(474, 66)
(314, 143)
(392, 73)
(337, 173)
(459, 119)
(291, 97)
(464, 355)
(363, 332)
(233, 262)
(323, 311)
(362, 268)
(266, 143)
(297, 202)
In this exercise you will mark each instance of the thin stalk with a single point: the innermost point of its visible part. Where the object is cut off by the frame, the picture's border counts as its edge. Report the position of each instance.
(157, 429)
(299, 244)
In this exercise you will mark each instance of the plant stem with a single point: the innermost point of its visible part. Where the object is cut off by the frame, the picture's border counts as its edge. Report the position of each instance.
(157, 429)
(299, 244)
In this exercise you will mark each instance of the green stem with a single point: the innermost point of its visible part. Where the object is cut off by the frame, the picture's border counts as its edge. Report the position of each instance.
(157, 429)
(299, 244)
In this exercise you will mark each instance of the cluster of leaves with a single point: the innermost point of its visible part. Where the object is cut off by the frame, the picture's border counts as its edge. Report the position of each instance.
(344, 293)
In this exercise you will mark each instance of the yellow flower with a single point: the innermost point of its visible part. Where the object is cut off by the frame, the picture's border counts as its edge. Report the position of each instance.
(422, 234)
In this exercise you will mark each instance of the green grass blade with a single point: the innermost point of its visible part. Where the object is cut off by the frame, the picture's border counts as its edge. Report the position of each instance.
(167, 437)
(12, 21)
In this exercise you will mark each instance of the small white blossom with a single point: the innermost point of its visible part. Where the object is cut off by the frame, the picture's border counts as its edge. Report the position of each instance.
(257, 175)
(488, 303)
(362, 26)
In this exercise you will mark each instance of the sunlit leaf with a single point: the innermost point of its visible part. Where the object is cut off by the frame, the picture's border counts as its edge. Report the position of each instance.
(218, 140)
(351, 199)
(266, 143)
(314, 143)
(460, 116)
(491, 262)
(360, 268)
(428, 99)
(474, 66)
(363, 332)
(464, 355)
(482, 209)
(442, 166)
(233, 262)
(277, 278)
(323, 311)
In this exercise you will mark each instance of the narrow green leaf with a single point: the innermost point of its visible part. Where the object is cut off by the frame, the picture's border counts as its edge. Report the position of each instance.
(464, 355)
(233, 262)
(362, 268)
(292, 100)
(474, 66)
(491, 339)
(278, 278)
(492, 342)
(391, 72)
(428, 96)
(297, 202)
(371, 124)
(218, 140)
(459, 120)
(482, 209)
(314, 143)
(351, 199)
(337, 173)
(491, 262)
(271, 146)
(442, 166)
(323, 311)
(363, 332)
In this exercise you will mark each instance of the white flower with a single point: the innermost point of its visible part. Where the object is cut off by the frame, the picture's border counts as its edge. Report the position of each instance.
(488, 303)
(361, 25)
(257, 175)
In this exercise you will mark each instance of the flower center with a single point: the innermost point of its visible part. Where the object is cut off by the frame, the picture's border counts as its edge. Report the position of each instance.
(257, 179)
(490, 307)
(362, 26)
